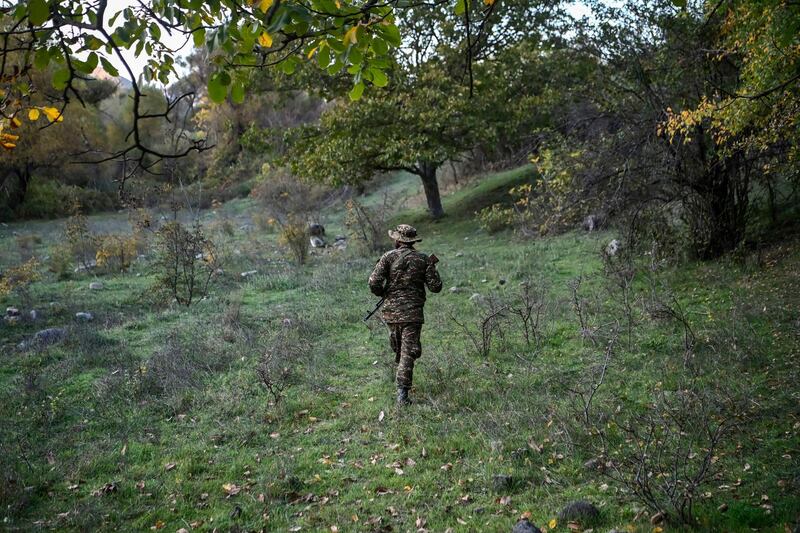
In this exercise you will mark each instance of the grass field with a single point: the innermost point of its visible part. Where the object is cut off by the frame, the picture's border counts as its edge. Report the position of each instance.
(152, 416)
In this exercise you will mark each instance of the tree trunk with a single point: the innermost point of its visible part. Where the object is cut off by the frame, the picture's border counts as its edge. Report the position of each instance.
(17, 196)
(431, 186)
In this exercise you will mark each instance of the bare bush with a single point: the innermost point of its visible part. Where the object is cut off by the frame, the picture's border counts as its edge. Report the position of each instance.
(488, 326)
(186, 261)
(367, 225)
(530, 306)
(281, 355)
(664, 455)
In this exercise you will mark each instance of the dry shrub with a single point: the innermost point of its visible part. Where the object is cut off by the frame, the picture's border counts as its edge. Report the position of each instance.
(186, 261)
(26, 245)
(19, 278)
(82, 243)
(115, 253)
(367, 225)
(294, 235)
(281, 356)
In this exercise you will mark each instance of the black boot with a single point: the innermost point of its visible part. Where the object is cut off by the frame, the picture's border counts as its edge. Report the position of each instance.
(402, 396)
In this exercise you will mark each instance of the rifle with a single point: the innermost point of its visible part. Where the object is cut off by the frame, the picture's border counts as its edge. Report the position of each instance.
(432, 260)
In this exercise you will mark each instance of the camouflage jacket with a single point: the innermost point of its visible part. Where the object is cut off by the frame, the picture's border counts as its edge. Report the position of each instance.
(406, 279)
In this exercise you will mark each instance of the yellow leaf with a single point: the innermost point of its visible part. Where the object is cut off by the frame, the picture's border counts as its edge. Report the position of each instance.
(264, 5)
(350, 36)
(658, 529)
(15, 122)
(8, 146)
(265, 40)
(552, 523)
(33, 114)
(338, 4)
(53, 114)
(488, 2)
(8, 137)
(311, 53)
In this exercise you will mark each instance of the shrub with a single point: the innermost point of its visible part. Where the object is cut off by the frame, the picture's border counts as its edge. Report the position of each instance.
(496, 218)
(367, 226)
(186, 260)
(18, 279)
(60, 261)
(294, 234)
(26, 244)
(115, 252)
(280, 359)
(82, 243)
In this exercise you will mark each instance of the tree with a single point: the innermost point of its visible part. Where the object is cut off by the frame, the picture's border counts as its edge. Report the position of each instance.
(426, 116)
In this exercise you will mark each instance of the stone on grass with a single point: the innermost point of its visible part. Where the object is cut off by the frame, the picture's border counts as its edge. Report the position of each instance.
(592, 223)
(613, 247)
(96, 285)
(460, 254)
(579, 511)
(453, 289)
(12, 311)
(84, 316)
(525, 526)
(45, 337)
(317, 242)
(34, 314)
(249, 273)
(476, 297)
(502, 482)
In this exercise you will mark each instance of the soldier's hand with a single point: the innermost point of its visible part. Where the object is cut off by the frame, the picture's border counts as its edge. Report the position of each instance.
(432, 260)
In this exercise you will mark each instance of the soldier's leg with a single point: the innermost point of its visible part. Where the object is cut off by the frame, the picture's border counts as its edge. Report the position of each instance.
(410, 351)
(394, 340)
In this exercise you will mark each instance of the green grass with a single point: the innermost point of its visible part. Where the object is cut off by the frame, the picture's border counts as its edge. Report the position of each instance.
(107, 406)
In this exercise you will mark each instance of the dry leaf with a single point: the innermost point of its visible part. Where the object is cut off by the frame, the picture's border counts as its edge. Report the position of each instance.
(462, 522)
(169, 466)
(381, 416)
(231, 489)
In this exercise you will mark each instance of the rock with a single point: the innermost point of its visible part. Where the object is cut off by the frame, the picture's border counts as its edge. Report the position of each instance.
(525, 526)
(11, 320)
(502, 482)
(475, 297)
(84, 267)
(340, 243)
(592, 464)
(579, 511)
(317, 242)
(96, 286)
(12, 311)
(33, 314)
(219, 272)
(141, 257)
(460, 254)
(84, 316)
(613, 247)
(44, 337)
(249, 273)
(502, 281)
(454, 289)
(316, 230)
(484, 280)
(592, 222)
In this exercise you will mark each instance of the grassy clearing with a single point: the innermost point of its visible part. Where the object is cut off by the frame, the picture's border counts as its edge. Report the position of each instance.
(154, 416)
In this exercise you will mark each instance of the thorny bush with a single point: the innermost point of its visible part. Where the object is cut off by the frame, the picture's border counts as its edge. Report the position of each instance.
(186, 260)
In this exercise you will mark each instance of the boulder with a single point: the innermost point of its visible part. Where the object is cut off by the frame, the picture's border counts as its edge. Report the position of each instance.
(460, 254)
(249, 273)
(525, 526)
(454, 289)
(44, 337)
(84, 316)
(579, 511)
(96, 285)
(12, 311)
(316, 230)
(613, 247)
(592, 222)
(34, 314)
(317, 242)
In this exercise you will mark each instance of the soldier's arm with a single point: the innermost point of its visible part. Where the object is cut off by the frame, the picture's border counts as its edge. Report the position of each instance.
(377, 280)
(432, 279)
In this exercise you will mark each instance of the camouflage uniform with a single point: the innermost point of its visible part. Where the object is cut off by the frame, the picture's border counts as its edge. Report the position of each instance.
(406, 272)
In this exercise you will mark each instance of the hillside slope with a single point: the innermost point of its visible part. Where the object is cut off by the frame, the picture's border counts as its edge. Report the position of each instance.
(155, 417)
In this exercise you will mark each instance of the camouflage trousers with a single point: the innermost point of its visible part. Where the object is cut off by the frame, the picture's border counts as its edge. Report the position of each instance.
(404, 339)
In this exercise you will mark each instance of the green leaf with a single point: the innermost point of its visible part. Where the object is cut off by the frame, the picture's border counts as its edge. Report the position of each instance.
(61, 79)
(392, 34)
(38, 12)
(42, 58)
(108, 67)
(380, 46)
(379, 79)
(680, 3)
(237, 92)
(357, 91)
(217, 91)
(324, 56)
(224, 78)
(461, 7)
(199, 37)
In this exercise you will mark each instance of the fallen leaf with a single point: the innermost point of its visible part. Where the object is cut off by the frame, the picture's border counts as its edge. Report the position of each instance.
(381, 416)
(158, 525)
(169, 466)
(448, 466)
(334, 529)
(552, 523)
(231, 489)
(462, 522)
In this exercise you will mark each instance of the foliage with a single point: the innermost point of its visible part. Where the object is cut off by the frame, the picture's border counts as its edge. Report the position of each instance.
(367, 225)
(81, 241)
(116, 252)
(17, 279)
(294, 235)
(496, 218)
(185, 261)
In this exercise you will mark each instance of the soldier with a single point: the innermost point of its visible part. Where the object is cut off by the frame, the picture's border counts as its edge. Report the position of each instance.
(401, 276)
